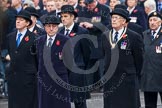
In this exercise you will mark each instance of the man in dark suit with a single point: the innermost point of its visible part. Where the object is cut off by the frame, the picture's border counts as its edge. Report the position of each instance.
(50, 93)
(96, 13)
(121, 90)
(34, 17)
(151, 82)
(133, 26)
(22, 86)
(136, 13)
(81, 11)
(82, 51)
(97, 18)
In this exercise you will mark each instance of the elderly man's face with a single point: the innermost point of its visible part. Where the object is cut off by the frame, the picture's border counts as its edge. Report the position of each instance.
(51, 29)
(154, 23)
(117, 22)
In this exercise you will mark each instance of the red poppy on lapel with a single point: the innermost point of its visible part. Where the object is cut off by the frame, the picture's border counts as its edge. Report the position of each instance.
(135, 11)
(96, 10)
(58, 43)
(124, 36)
(72, 34)
(76, 10)
(27, 38)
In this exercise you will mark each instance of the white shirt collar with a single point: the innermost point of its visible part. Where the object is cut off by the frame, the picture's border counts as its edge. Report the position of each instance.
(53, 38)
(70, 28)
(31, 29)
(131, 10)
(57, 11)
(23, 34)
(75, 5)
(156, 31)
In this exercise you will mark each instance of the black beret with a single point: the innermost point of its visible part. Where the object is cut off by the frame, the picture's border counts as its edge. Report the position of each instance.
(155, 14)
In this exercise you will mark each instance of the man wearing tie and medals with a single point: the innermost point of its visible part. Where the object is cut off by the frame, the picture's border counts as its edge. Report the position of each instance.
(151, 79)
(121, 90)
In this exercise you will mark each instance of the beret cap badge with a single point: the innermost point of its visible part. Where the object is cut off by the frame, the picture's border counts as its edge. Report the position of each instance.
(155, 13)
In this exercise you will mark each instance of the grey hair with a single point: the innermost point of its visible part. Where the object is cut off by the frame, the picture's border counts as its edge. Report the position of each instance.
(30, 3)
(151, 4)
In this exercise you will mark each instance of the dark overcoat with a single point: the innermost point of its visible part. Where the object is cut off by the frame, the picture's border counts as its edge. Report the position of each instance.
(21, 77)
(151, 76)
(51, 94)
(82, 51)
(139, 17)
(121, 90)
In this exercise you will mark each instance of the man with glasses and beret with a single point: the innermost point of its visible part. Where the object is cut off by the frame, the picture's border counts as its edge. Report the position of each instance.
(50, 93)
(121, 90)
(151, 76)
(21, 76)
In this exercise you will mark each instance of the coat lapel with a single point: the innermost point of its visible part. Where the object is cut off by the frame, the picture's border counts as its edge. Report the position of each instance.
(24, 40)
(156, 37)
(75, 29)
(62, 30)
(13, 40)
(158, 34)
(54, 45)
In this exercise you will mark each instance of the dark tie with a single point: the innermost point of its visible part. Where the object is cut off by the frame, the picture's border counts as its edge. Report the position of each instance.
(67, 32)
(49, 42)
(116, 37)
(18, 39)
(152, 36)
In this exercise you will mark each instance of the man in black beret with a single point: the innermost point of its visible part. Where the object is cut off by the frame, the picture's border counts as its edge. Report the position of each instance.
(151, 82)
(121, 90)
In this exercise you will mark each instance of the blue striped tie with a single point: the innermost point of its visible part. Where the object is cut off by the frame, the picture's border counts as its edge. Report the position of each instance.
(18, 39)
(116, 37)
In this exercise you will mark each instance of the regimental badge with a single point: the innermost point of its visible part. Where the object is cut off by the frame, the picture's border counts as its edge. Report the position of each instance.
(155, 13)
(158, 49)
(60, 55)
(123, 45)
